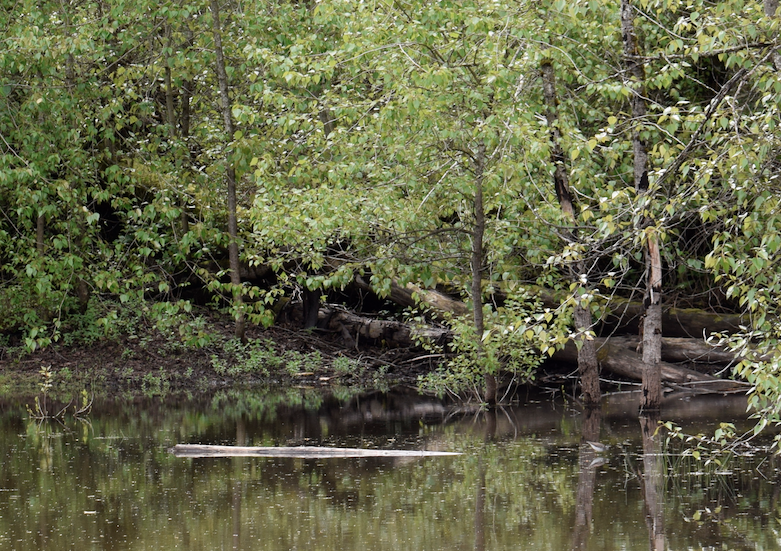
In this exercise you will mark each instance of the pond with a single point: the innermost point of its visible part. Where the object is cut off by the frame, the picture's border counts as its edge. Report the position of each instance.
(523, 480)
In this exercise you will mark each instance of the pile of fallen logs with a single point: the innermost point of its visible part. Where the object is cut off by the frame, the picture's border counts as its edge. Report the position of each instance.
(684, 345)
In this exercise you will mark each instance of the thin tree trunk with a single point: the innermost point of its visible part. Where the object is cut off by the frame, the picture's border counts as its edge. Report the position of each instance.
(169, 90)
(588, 366)
(39, 234)
(652, 322)
(476, 265)
(230, 174)
(187, 92)
(770, 7)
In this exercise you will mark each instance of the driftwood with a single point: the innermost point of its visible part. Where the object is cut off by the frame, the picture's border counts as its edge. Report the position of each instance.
(302, 452)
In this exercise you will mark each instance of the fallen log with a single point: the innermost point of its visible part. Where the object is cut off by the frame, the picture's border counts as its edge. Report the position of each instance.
(301, 452)
(355, 328)
(619, 355)
(623, 316)
(412, 296)
(674, 350)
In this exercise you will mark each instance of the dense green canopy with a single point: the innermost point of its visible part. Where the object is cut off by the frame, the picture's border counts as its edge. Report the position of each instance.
(403, 141)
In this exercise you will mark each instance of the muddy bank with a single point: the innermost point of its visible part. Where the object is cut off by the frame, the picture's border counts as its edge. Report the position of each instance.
(153, 364)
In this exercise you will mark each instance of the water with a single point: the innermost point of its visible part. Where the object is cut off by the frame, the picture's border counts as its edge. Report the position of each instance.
(524, 480)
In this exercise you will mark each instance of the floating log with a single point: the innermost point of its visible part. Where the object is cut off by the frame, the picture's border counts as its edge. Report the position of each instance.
(301, 452)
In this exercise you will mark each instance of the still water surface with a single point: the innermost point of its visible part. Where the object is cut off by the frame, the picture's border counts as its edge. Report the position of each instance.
(524, 480)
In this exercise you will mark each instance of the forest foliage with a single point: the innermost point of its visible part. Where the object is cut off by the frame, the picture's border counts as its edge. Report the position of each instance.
(399, 141)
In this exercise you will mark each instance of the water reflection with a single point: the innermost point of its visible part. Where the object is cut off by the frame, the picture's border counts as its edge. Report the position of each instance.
(588, 463)
(528, 479)
(653, 480)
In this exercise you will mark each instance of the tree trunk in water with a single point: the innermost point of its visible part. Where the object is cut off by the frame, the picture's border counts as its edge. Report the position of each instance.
(652, 329)
(652, 321)
(588, 367)
(230, 175)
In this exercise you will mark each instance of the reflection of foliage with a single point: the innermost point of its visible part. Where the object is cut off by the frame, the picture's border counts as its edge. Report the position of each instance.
(118, 468)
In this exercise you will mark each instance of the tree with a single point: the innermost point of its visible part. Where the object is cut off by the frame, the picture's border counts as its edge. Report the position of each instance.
(230, 172)
(588, 367)
(652, 318)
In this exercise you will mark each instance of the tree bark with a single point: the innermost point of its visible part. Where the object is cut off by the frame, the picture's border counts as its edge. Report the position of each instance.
(588, 367)
(230, 174)
(652, 329)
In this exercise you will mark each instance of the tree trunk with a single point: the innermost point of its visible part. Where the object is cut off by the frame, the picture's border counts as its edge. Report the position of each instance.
(355, 328)
(40, 226)
(623, 316)
(652, 329)
(230, 174)
(652, 321)
(169, 90)
(476, 265)
(627, 363)
(436, 304)
(770, 8)
(588, 367)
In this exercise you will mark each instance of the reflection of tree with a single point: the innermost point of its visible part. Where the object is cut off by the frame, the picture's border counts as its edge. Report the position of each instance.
(584, 499)
(480, 508)
(653, 481)
(490, 434)
(238, 468)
